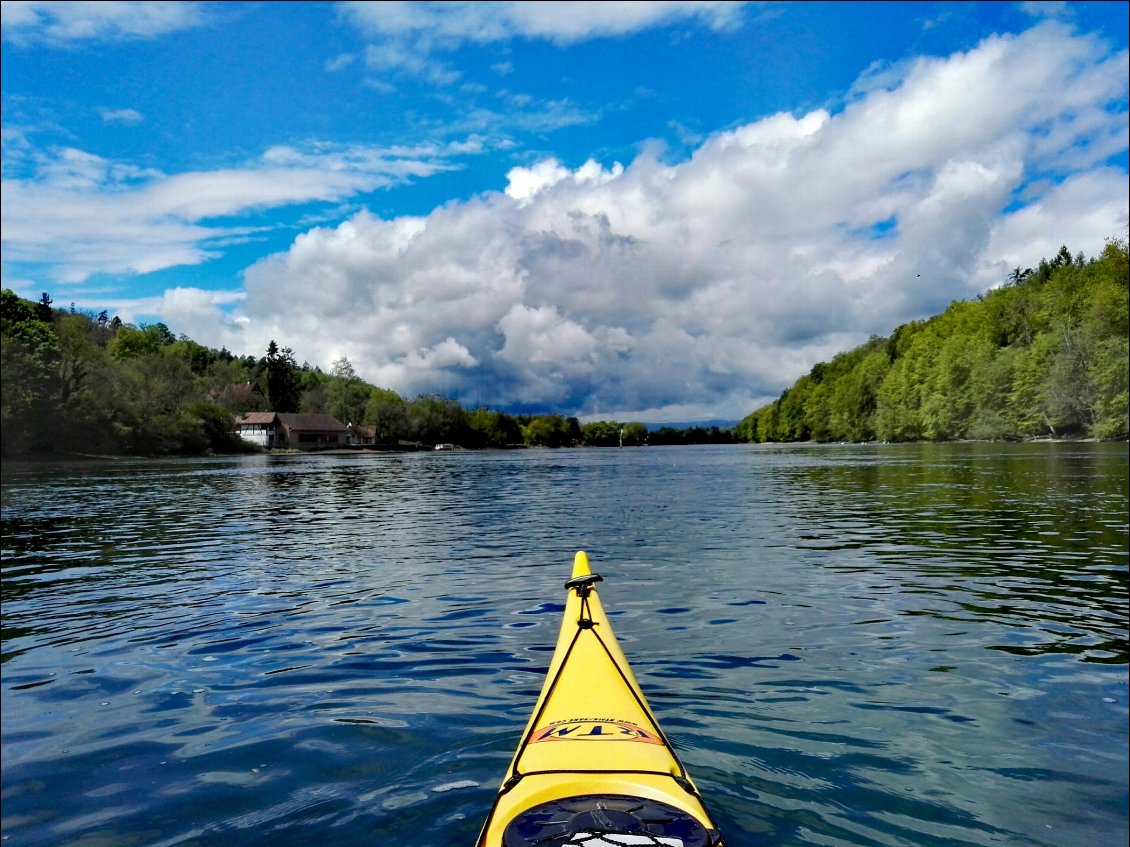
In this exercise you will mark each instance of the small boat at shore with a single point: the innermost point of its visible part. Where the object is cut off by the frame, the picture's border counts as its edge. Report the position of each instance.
(593, 768)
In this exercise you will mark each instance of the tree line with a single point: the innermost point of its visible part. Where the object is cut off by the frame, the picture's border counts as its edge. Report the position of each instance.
(78, 382)
(1044, 355)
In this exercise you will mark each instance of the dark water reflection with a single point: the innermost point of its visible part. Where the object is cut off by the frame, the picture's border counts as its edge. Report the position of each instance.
(898, 645)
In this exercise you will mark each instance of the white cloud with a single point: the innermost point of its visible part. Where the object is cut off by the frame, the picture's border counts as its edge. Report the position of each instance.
(83, 214)
(561, 23)
(340, 62)
(407, 58)
(408, 35)
(24, 22)
(122, 116)
(523, 184)
(541, 336)
(701, 289)
(1071, 213)
(1045, 8)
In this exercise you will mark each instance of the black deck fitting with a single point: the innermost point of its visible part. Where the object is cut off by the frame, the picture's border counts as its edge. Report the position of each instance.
(583, 583)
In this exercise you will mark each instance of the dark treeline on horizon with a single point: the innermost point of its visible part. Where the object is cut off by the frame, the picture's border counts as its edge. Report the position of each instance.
(1045, 355)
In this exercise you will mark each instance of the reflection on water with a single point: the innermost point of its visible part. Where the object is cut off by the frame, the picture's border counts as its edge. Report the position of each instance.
(1009, 535)
(851, 645)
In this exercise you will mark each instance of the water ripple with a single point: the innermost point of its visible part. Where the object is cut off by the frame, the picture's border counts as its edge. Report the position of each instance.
(916, 645)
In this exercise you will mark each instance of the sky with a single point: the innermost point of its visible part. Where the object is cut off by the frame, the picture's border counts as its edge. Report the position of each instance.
(654, 211)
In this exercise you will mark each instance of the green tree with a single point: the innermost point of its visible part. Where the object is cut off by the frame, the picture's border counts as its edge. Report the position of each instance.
(433, 419)
(282, 379)
(990, 381)
(792, 422)
(207, 427)
(387, 411)
(15, 309)
(199, 358)
(347, 395)
(129, 342)
(43, 310)
(634, 434)
(315, 395)
(600, 434)
(29, 401)
(1105, 326)
(552, 431)
(855, 394)
(491, 428)
(145, 398)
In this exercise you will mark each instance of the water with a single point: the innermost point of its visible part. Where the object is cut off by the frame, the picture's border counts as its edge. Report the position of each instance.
(881, 645)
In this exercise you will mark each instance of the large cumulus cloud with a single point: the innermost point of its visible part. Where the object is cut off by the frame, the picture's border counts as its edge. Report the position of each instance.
(701, 288)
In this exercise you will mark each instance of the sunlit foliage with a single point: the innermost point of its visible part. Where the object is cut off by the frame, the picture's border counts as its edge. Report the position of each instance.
(1045, 355)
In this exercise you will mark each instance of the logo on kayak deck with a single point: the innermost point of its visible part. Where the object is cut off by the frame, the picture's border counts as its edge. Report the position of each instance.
(600, 729)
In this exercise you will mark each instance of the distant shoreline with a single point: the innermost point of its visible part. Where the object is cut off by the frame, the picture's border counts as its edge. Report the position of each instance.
(63, 458)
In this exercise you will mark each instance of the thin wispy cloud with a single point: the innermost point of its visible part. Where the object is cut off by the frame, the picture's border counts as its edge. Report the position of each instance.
(122, 116)
(1047, 9)
(84, 215)
(446, 25)
(411, 37)
(340, 62)
(28, 22)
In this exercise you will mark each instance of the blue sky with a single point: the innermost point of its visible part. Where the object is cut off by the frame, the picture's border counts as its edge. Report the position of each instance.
(645, 211)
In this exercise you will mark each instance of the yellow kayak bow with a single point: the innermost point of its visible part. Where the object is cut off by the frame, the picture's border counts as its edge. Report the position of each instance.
(593, 768)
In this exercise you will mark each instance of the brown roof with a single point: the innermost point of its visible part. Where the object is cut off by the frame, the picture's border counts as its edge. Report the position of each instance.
(310, 423)
(257, 418)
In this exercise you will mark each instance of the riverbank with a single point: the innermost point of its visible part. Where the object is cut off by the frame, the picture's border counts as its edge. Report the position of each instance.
(62, 458)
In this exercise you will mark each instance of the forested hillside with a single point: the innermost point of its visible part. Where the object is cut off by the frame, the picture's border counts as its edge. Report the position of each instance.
(1043, 356)
(74, 382)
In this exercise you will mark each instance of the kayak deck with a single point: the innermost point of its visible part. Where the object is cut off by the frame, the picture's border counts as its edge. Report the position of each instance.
(593, 761)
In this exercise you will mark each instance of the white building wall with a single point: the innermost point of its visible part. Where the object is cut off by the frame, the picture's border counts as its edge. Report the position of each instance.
(261, 435)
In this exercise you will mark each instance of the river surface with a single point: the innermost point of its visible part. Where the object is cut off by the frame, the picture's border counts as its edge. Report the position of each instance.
(918, 645)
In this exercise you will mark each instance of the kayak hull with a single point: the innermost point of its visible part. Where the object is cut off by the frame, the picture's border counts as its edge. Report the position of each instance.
(593, 758)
